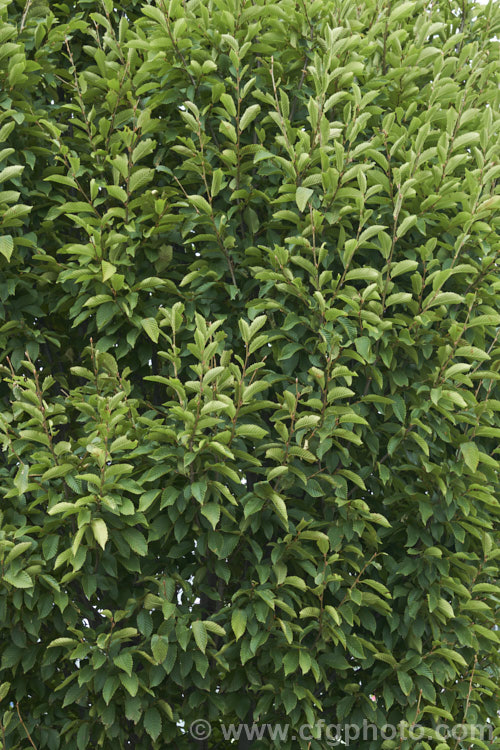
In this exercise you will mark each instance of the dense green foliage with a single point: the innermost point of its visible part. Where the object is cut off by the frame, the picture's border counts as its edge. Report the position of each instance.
(249, 321)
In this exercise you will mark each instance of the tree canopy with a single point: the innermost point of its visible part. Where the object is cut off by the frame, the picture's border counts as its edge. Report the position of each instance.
(249, 323)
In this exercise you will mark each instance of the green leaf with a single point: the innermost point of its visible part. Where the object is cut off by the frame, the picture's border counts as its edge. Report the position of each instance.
(142, 149)
(100, 531)
(370, 232)
(403, 266)
(62, 180)
(380, 519)
(366, 274)
(155, 13)
(420, 442)
(145, 623)
(333, 614)
(229, 105)
(151, 327)
(405, 682)
(398, 298)
(110, 687)
(17, 550)
(405, 225)
(124, 661)
(401, 10)
(9, 173)
(71, 642)
(443, 298)
(108, 269)
(6, 246)
(130, 682)
(353, 477)
(56, 471)
(140, 178)
(117, 192)
(159, 648)
(83, 736)
(62, 508)
(238, 622)
(201, 204)
(136, 541)
(214, 627)
(470, 453)
(307, 421)
(251, 431)
(302, 195)
(280, 506)
(21, 479)
(217, 179)
(249, 116)
(4, 689)
(152, 723)
(262, 155)
(200, 634)
(340, 391)
(211, 511)
(297, 582)
(133, 710)
(399, 408)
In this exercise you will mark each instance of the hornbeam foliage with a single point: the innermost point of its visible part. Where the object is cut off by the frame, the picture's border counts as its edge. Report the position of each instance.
(250, 318)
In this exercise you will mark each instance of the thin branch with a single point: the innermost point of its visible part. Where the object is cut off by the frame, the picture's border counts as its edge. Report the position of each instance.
(25, 14)
(176, 47)
(25, 727)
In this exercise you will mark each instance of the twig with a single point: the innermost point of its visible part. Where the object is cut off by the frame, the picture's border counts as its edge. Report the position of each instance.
(386, 30)
(26, 11)
(458, 48)
(358, 578)
(304, 69)
(467, 704)
(24, 726)
(176, 47)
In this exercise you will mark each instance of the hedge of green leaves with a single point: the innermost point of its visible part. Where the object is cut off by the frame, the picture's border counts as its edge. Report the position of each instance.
(250, 302)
